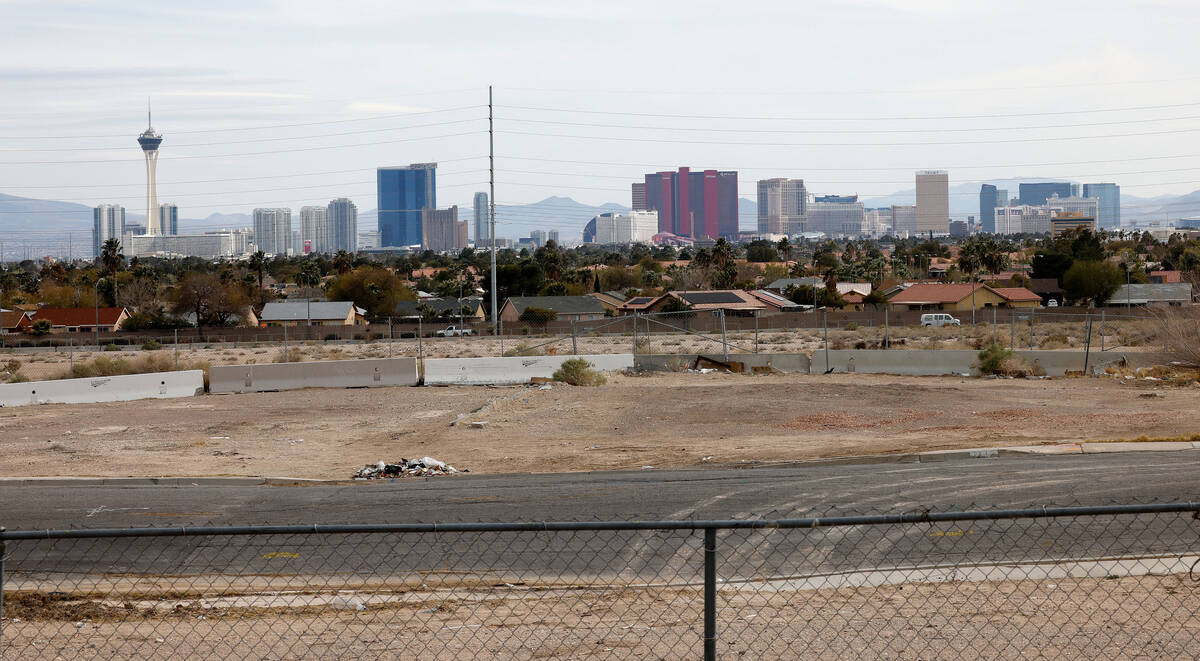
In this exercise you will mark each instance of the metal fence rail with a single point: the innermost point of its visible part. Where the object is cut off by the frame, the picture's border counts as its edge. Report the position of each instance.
(1075, 582)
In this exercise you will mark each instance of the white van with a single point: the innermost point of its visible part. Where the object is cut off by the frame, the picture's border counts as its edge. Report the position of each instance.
(939, 319)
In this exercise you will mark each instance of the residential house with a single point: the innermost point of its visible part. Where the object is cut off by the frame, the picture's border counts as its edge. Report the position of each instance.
(776, 302)
(79, 320)
(15, 321)
(860, 288)
(319, 313)
(636, 305)
(568, 308)
(611, 300)
(1156, 294)
(732, 301)
(1047, 289)
(470, 308)
(939, 296)
(782, 284)
(1165, 277)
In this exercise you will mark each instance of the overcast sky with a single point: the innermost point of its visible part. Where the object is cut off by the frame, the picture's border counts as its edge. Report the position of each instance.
(851, 95)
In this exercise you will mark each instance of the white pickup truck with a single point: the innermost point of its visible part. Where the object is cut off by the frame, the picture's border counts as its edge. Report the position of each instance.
(454, 331)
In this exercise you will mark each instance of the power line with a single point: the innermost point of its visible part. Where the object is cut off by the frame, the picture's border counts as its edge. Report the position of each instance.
(4, 150)
(855, 119)
(255, 153)
(706, 129)
(850, 144)
(261, 127)
(661, 167)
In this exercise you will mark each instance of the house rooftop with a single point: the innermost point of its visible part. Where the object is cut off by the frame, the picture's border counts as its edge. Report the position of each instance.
(79, 316)
(301, 310)
(560, 304)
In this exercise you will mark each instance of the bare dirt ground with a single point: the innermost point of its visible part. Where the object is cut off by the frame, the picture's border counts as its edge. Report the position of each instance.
(1062, 618)
(663, 420)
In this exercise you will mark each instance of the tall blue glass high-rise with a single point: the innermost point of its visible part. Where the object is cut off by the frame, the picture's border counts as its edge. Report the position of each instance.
(1110, 203)
(1037, 194)
(402, 193)
(987, 208)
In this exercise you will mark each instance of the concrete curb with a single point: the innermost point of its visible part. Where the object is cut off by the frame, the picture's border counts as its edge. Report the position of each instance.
(933, 456)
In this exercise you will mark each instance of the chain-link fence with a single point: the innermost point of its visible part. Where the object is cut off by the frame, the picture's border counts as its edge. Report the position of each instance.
(1078, 583)
(686, 333)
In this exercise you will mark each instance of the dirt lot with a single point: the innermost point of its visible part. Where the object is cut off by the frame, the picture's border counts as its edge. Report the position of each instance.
(1067, 618)
(661, 421)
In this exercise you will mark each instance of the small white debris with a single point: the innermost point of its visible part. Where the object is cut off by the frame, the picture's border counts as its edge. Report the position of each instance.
(478, 424)
(348, 603)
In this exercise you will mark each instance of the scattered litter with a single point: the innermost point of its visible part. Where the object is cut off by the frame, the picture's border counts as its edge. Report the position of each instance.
(348, 603)
(590, 447)
(465, 626)
(160, 640)
(546, 387)
(218, 438)
(80, 625)
(429, 610)
(423, 467)
(703, 370)
(708, 458)
(295, 441)
(647, 468)
(479, 424)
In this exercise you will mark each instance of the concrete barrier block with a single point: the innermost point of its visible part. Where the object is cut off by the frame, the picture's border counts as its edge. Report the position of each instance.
(154, 385)
(510, 370)
(367, 373)
(787, 363)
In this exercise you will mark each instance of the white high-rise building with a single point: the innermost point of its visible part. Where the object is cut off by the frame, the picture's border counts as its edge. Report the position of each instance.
(273, 230)
(108, 222)
(313, 230)
(782, 205)
(341, 224)
(933, 202)
(1023, 219)
(168, 215)
(836, 215)
(480, 211)
(619, 228)
(150, 140)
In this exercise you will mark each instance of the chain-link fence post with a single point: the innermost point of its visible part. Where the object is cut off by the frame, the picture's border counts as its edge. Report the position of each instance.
(886, 329)
(710, 594)
(1102, 330)
(3, 552)
(420, 345)
(1012, 322)
(71, 357)
(574, 340)
(176, 349)
(1032, 323)
(635, 320)
(756, 331)
(995, 330)
(724, 340)
(389, 337)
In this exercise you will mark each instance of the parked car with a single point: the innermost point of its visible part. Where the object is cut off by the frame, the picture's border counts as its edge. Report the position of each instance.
(1052, 303)
(454, 331)
(939, 319)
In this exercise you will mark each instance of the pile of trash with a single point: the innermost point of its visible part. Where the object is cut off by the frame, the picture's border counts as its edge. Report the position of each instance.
(423, 467)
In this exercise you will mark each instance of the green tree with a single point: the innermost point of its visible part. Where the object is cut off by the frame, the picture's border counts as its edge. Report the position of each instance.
(1095, 282)
(258, 263)
(373, 288)
(538, 316)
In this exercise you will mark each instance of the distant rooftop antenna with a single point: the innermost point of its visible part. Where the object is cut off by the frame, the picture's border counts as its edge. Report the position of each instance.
(149, 122)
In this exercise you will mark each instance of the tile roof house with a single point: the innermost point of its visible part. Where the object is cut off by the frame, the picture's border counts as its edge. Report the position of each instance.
(78, 320)
(1165, 277)
(1173, 293)
(321, 313)
(925, 296)
(568, 308)
(15, 321)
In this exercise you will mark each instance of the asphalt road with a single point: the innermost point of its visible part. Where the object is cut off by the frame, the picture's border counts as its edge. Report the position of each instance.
(705, 493)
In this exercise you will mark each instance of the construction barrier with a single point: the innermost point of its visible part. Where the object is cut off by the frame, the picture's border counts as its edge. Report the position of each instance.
(511, 370)
(154, 385)
(934, 362)
(367, 373)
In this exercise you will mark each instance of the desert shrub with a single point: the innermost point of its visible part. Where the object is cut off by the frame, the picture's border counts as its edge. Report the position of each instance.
(522, 349)
(1178, 332)
(151, 345)
(111, 347)
(1055, 341)
(642, 346)
(579, 372)
(331, 336)
(12, 366)
(538, 316)
(18, 378)
(41, 327)
(861, 344)
(991, 358)
(1018, 366)
(852, 326)
(290, 355)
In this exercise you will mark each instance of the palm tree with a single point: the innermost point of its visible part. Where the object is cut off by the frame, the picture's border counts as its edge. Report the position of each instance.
(258, 261)
(785, 247)
(112, 260)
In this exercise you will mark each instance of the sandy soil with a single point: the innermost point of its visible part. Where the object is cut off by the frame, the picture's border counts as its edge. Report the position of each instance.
(664, 420)
(1067, 618)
